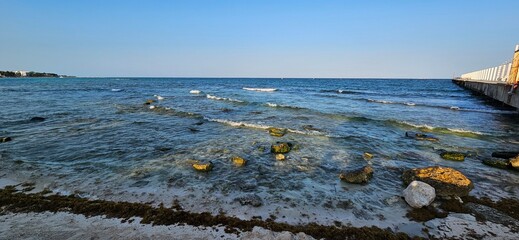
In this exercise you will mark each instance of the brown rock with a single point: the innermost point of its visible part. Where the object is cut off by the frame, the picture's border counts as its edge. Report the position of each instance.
(280, 157)
(149, 101)
(360, 175)
(446, 181)
(514, 163)
(238, 161)
(203, 167)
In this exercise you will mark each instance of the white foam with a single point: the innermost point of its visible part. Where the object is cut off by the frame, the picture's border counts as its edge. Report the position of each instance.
(260, 89)
(222, 98)
(380, 101)
(239, 124)
(159, 97)
(454, 108)
(461, 130)
(410, 104)
(195, 91)
(456, 130)
(116, 90)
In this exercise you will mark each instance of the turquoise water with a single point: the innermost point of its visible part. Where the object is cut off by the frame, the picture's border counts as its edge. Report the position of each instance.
(100, 141)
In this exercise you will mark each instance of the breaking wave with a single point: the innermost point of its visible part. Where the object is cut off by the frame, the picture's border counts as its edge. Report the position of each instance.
(223, 98)
(260, 89)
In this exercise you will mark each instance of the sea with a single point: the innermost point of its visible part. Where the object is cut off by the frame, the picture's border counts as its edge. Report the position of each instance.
(99, 140)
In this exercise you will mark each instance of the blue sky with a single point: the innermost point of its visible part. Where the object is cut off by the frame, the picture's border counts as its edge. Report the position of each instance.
(409, 39)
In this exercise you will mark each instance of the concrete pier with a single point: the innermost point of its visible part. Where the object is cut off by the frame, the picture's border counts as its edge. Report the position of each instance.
(496, 90)
(499, 83)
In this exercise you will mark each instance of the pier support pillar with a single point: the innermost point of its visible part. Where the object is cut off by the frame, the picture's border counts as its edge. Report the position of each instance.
(512, 77)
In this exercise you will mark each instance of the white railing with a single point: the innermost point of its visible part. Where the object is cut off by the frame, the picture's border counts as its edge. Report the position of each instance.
(494, 74)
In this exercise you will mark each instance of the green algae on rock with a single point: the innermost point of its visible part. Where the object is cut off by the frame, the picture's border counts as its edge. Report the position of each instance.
(453, 156)
(280, 147)
(421, 136)
(360, 175)
(277, 132)
(497, 163)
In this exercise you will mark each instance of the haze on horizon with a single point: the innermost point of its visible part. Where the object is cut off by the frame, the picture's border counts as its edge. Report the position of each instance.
(344, 39)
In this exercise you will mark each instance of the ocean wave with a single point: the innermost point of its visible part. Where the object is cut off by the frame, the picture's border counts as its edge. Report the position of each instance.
(274, 105)
(380, 101)
(223, 99)
(444, 130)
(264, 127)
(260, 89)
(195, 91)
(116, 89)
(341, 91)
(454, 108)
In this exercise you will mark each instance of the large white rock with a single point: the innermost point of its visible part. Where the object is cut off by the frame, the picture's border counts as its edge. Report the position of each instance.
(419, 194)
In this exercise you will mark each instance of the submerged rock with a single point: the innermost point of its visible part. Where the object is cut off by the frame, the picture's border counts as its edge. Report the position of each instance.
(421, 136)
(277, 132)
(311, 128)
(367, 156)
(280, 157)
(453, 156)
(505, 155)
(281, 147)
(419, 194)
(149, 101)
(238, 161)
(360, 175)
(37, 119)
(203, 167)
(497, 163)
(5, 139)
(447, 181)
(251, 199)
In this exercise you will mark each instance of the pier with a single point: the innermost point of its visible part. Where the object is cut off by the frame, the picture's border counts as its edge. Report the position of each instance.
(499, 83)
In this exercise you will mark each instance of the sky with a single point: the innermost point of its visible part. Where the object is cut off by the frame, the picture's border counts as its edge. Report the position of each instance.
(328, 39)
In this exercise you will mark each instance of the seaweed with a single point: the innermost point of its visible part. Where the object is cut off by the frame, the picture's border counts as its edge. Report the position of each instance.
(15, 201)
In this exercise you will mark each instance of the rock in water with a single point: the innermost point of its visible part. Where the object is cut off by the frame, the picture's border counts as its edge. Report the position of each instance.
(419, 194)
(280, 157)
(280, 147)
(251, 199)
(421, 136)
(5, 139)
(453, 156)
(497, 163)
(514, 163)
(447, 181)
(360, 175)
(277, 132)
(149, 101)
(203, 167)
(367, 156)
(37, 119)
(505, 155)
(238, 161)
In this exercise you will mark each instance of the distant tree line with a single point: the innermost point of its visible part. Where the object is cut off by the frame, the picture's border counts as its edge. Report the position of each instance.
(28, 74)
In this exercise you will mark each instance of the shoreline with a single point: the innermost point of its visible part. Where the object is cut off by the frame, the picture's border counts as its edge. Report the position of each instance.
(26, 202)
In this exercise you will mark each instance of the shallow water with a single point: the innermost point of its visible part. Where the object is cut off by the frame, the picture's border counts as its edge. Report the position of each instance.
(100, 141)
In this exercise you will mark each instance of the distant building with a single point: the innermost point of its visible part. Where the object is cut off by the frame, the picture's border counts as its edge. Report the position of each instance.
(21, 73)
